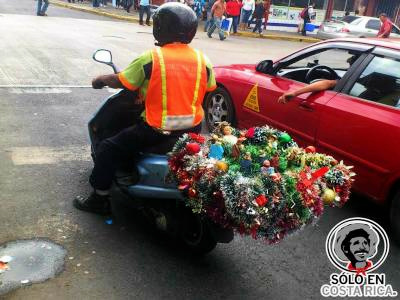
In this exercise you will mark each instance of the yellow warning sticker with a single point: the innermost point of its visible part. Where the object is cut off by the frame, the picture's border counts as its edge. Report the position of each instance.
(252, 100)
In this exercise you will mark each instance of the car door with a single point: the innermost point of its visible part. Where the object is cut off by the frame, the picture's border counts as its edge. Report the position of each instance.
(301, 115)
(361, 125)
(372, 28)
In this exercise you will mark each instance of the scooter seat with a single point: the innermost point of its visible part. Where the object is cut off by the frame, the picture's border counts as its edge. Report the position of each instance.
(162, 148)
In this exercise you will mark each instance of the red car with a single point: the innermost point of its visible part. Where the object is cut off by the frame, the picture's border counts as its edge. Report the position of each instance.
(358, 121)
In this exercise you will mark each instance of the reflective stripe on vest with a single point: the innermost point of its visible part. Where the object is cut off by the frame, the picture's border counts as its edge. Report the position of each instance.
(176, 89)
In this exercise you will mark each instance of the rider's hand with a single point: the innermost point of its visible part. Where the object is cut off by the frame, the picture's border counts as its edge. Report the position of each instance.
(97, 83)
(285, 97)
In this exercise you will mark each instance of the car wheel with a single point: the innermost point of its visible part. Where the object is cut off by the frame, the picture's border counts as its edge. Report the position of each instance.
(218, 107)
(395, 216)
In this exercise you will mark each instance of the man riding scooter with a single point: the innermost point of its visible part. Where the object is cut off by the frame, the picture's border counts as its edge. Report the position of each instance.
(172, 80)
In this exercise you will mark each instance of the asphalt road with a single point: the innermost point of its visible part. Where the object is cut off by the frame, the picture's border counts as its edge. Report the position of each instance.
(45, 103)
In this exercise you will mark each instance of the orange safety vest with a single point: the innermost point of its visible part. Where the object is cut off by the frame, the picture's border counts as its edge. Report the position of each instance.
(176, 88)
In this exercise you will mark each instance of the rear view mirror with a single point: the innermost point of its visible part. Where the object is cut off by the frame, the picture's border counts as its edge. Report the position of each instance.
(103, 56)
(265, 66)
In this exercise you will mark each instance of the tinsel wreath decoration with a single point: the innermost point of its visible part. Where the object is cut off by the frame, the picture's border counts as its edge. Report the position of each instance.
(257, 181)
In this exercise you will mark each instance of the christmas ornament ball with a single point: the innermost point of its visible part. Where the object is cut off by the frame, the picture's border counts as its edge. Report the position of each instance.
(285, 138)
(328, 196)
(193, 148)
(310, 149)
(222, 166)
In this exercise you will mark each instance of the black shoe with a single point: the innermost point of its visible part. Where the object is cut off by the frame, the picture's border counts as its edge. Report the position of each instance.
(209, 35)
(94, 203)
(148, 24)
(224, 38)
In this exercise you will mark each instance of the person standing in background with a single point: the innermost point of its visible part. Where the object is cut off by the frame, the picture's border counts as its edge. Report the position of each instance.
(217, 11)
(307, 13)
(267, 7)
(247, 11)
(233, 11)
(144, 7)
(208, 22)
(42, 7)
(386, 27)
(259, 14)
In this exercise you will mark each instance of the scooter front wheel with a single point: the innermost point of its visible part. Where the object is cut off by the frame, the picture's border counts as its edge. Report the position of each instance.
(196, 234)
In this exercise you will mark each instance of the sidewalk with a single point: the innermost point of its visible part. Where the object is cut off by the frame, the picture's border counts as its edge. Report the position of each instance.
(133, 16)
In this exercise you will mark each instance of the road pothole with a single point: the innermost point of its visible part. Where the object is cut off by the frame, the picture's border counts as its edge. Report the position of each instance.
(29, 261)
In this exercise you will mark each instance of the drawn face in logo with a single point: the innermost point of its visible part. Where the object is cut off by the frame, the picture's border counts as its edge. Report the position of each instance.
(356, 247)
(353, 244)
(359, 247)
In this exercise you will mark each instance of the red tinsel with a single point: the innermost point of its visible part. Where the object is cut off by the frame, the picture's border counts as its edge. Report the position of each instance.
(197, 138)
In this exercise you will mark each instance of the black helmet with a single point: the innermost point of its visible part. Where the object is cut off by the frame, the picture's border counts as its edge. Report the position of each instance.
(174, 22)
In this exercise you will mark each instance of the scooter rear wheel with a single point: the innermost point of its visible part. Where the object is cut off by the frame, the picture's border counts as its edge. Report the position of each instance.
(196, 234)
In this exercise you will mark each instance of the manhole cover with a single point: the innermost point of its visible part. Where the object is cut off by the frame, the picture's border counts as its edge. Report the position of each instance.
(29, 261)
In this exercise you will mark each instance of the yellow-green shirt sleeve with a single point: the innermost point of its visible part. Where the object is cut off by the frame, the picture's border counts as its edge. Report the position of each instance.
(133, 76)
(211, 83)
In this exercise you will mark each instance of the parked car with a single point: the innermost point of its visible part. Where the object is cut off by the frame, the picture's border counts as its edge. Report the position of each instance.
(358, 121)
(353, 26)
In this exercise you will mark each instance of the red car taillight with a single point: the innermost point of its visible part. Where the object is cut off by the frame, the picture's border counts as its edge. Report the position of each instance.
(344, 30)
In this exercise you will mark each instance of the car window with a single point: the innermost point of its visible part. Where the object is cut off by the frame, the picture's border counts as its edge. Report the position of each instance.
(380, 82)
(356, 21)
(337, 59)
(373, 24)
(350, 19)
(395, 30)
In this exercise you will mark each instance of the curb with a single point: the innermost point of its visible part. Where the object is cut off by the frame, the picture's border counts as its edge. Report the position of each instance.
(136, 20)
(94, 11)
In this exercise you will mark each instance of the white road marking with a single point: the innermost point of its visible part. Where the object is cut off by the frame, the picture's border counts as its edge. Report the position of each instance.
(33, 86)
(48, 156)
(40, 91)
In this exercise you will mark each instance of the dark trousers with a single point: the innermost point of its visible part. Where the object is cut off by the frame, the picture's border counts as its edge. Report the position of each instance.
(235, 23)
(128, 5)
(144, 9)
(304, 31)
(250, 20)
(258, 26)
(117, 150)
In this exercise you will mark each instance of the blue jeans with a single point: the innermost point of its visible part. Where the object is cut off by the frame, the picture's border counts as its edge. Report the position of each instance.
(144, 9)
(246, 14)
(96, 3)
(235, 23)
(208, 23)
(216, 24)
(42, 7)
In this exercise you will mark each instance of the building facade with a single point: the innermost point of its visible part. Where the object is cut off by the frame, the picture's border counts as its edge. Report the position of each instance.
(284, 14)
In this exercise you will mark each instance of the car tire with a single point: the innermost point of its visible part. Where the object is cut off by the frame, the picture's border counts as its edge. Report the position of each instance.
(218, 107)
(395, 216)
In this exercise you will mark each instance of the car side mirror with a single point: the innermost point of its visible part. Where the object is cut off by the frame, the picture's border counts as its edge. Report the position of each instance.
(265, 66)
(104, 56)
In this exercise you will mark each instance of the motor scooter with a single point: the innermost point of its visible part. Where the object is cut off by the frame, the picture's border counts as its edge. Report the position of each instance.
(141, 181)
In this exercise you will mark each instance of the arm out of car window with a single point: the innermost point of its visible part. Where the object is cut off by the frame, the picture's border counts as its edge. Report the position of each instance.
(311, 88)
